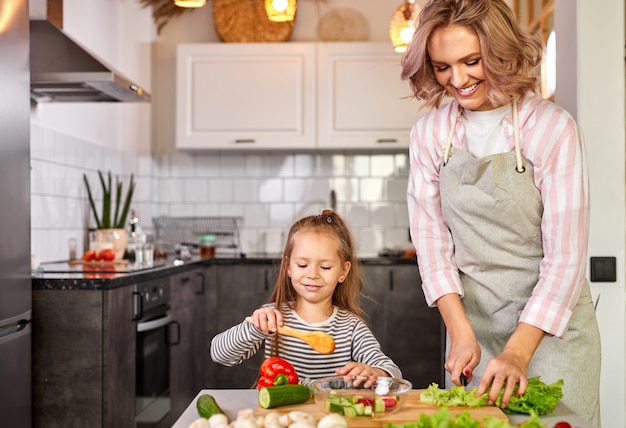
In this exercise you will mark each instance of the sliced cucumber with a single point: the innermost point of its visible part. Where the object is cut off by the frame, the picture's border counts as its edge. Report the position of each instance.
(282, 395)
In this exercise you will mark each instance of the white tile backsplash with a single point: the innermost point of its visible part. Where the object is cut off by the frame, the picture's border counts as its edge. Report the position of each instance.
(269, 190)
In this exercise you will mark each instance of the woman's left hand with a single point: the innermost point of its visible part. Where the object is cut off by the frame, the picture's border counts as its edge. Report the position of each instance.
(509, 367)
(362, 370)
(504, 369)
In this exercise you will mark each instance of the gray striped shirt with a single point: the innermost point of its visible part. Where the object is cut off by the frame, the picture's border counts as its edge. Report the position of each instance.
(354, 341)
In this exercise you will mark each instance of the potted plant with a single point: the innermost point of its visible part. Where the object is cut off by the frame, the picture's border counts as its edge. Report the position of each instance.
(110, 224)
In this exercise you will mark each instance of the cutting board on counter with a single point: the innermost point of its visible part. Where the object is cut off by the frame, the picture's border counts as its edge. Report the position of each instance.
(410, 412)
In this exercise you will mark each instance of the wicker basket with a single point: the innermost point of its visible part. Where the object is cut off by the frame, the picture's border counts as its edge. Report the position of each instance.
(246, 21)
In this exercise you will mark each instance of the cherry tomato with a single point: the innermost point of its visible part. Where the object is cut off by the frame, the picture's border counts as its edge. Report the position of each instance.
(89, 255)
(390, 402)
(107, 254)
(562, 424)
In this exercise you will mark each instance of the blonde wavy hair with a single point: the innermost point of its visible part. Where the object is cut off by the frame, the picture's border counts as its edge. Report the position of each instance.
(510, 54)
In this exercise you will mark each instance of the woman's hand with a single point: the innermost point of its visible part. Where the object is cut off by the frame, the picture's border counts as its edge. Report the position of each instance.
(267, 319)
(464, 354)
(509, 367)
(363, 371)
(463, 357)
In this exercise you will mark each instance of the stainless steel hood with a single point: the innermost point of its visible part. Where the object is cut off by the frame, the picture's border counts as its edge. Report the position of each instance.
(63, 71)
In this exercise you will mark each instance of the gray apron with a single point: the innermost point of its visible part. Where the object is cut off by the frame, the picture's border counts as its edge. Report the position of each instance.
(493, 210)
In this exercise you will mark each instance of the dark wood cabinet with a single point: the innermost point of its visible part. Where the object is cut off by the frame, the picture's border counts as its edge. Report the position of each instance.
(83, 358)
(409, 332)
(189, 291)
(241, 288)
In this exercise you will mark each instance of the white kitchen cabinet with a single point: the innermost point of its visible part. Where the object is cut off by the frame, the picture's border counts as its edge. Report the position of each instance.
(292, 96)
(362, 102)
(245, 96)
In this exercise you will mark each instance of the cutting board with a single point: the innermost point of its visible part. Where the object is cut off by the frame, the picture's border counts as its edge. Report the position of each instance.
(410, 412)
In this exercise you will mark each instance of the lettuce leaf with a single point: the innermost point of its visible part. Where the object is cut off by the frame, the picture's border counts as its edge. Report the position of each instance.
(538, 397)
(443, 419)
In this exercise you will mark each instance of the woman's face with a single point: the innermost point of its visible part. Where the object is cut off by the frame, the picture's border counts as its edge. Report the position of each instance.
(458, 67)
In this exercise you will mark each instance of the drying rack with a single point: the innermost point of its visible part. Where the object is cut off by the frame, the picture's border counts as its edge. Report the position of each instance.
(174, 231)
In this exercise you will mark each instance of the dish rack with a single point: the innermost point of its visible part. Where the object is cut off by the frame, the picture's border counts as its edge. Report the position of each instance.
(171, 232)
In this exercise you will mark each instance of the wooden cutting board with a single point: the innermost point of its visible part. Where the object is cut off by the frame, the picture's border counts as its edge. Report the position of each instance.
(410, 412)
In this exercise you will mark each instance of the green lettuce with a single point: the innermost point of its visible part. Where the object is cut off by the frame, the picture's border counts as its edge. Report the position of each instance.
(538, 397)
(443, 419)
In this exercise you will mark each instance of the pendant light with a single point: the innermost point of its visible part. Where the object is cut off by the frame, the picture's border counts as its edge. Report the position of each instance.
(190, 3)
(402, 25)
(280, 10)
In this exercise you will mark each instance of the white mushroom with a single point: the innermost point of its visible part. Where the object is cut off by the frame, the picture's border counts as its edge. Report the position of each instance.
(302, 423)
(245, 414)
(218, 420)
(299, 416)
(200, 423)
(284, 420)
(333, 420)
(272, 420)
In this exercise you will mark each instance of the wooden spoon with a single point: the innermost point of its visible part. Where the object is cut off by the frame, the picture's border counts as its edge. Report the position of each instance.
(318, 340)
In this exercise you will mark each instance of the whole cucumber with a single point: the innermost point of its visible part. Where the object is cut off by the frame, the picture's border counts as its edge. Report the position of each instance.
(207, 406)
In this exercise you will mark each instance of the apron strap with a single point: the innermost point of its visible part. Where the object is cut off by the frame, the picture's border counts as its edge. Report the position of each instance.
(518, 152)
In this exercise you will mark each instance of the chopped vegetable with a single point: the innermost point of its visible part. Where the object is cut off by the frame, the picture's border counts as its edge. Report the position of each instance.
(538, 397)
(443, 419)
(276, 371)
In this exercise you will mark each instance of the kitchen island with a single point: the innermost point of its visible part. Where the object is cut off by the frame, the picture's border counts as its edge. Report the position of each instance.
(232, 400)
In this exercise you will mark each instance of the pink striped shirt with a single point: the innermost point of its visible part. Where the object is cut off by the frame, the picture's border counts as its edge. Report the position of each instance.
(552, 141)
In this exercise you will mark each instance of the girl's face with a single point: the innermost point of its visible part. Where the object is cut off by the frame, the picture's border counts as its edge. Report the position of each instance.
(315, 267)
(458, 67)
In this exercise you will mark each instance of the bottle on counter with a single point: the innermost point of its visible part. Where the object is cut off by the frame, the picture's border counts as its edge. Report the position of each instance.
(207, 246)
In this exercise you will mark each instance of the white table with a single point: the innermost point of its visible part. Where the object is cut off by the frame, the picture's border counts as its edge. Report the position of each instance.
(232, 401)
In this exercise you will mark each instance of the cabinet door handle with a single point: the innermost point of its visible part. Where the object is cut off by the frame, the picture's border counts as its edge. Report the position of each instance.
(184, 279)
(391, 280)
(138, 306)
(202, 280)
(386, 140)
(245, 141)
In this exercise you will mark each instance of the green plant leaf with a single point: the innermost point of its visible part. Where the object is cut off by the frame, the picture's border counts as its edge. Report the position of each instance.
(129, 197)
(91, 202)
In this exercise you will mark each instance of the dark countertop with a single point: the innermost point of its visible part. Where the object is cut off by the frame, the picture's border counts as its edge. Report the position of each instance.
(64, 276)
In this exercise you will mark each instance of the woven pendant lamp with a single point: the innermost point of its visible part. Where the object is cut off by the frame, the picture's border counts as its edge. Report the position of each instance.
(402, 25)
(280, 10)
(190, 3)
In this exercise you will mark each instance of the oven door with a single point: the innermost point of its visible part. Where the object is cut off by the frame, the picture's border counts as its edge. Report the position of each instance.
(152, 389)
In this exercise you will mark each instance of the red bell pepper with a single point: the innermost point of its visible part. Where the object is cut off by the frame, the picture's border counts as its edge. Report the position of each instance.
(276, 371)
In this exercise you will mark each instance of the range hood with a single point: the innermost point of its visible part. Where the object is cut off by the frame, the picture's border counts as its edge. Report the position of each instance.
(63, 71)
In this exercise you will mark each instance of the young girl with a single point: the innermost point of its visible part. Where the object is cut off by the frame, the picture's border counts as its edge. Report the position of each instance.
(317, 289)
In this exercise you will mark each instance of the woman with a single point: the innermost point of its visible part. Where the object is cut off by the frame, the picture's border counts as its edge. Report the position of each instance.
(498, 202)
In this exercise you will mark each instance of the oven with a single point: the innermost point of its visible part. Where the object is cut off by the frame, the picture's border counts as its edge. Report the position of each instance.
(155, 331)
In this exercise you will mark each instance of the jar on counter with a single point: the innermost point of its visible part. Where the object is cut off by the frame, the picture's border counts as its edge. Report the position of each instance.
(207, 246)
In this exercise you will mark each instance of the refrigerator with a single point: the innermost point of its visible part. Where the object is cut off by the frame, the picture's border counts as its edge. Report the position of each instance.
(15, 271)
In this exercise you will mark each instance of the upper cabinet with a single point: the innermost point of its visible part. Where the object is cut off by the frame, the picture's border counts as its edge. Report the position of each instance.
(245, 95)
(362, 102)
(292, 96)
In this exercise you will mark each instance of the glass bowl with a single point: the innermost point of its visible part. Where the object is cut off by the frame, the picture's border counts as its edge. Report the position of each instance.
(348, 396)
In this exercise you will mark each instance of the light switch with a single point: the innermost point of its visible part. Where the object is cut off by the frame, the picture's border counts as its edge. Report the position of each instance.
(603, 269)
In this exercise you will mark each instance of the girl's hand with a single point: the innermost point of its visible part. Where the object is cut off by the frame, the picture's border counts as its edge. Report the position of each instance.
(267, 319)
(363, 371)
